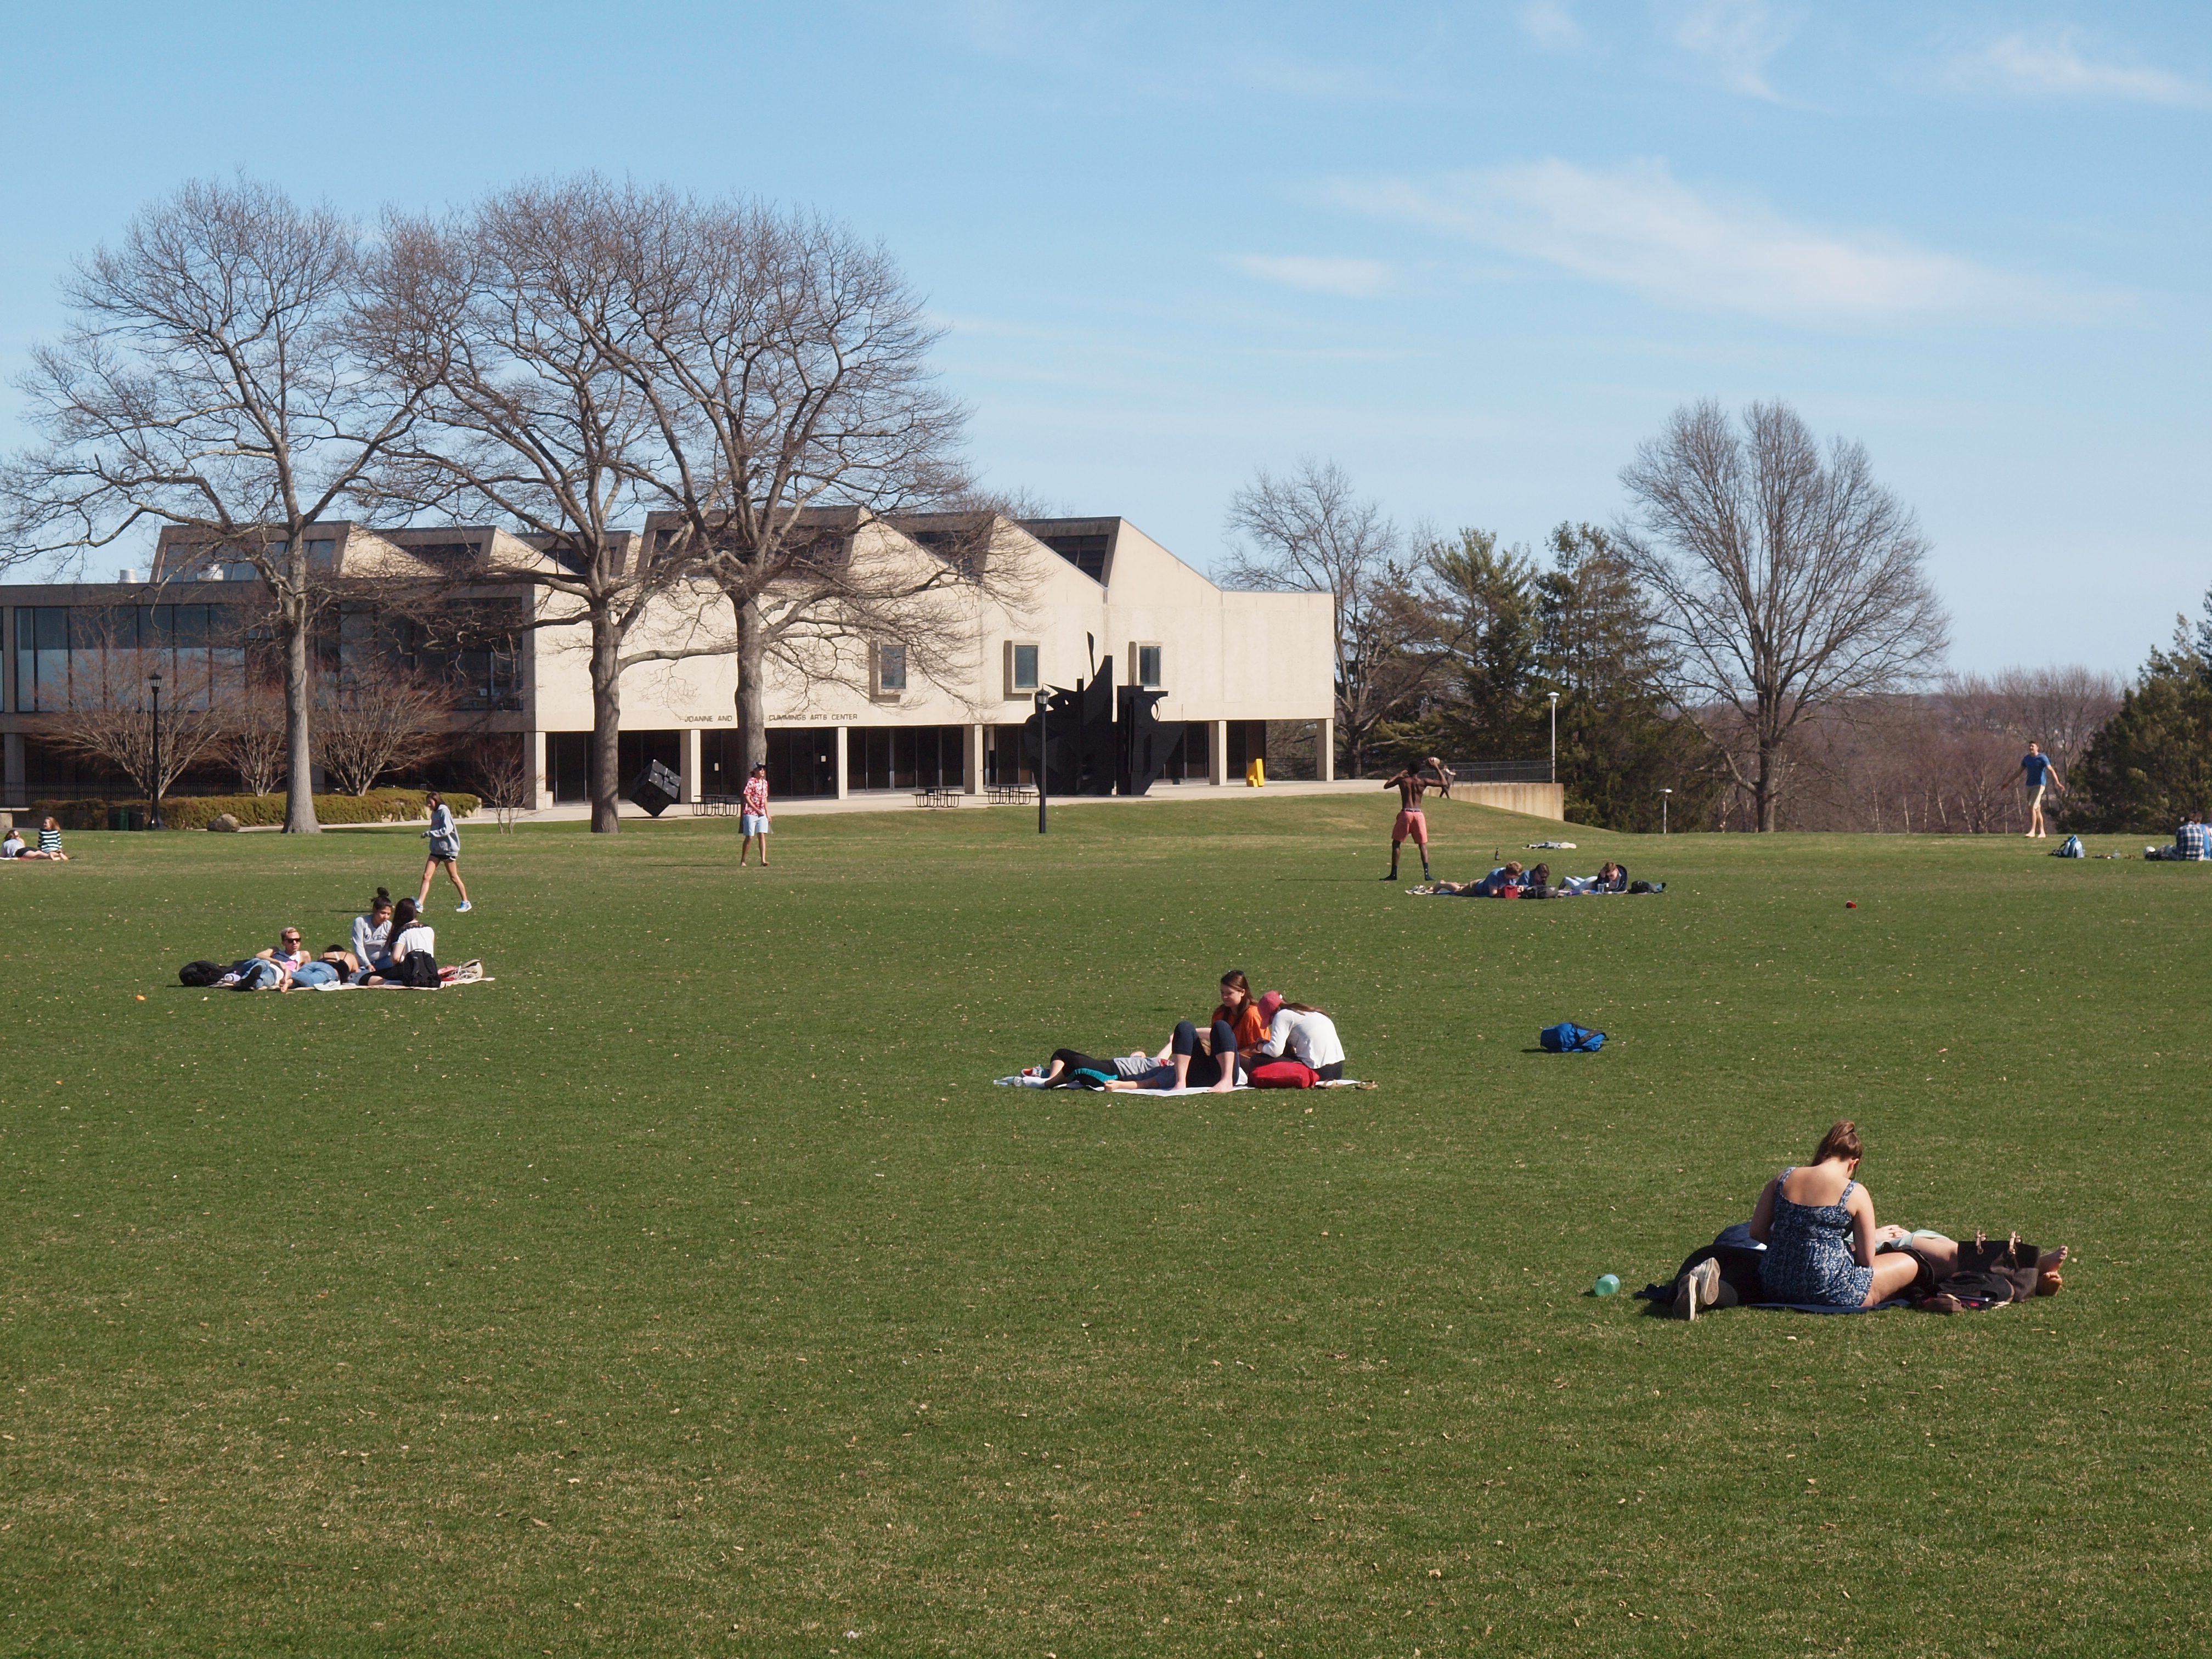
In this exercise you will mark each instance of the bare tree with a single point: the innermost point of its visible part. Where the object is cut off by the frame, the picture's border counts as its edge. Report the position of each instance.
(521, 317)
(1786, 580)
(109, 715)
(210, 380)
(498, 767)
(788, 362)
(377, 716)
(1309, 532)
(253, 740)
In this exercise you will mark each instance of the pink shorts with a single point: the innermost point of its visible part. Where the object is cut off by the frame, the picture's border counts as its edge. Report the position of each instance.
(1411, 825)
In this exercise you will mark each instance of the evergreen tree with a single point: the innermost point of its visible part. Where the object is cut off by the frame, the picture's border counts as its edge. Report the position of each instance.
(2152, 762)
(1484, 606)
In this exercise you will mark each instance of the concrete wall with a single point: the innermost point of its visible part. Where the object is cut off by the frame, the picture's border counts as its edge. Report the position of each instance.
(1538, 800)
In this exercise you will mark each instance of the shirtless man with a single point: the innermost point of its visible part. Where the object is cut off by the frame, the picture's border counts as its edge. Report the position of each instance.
(1411, 784)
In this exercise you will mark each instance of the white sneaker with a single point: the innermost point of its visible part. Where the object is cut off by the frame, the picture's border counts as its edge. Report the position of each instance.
(1702, 1284)
(463, 908)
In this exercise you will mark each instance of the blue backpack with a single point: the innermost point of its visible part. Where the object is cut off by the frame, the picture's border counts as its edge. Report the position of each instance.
(2068, 849)
(1571, 1039)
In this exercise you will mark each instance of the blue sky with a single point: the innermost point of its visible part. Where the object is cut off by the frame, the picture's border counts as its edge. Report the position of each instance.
(1475, 253)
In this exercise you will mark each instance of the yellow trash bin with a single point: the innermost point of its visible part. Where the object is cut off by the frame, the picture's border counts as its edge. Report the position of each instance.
(1255, 774)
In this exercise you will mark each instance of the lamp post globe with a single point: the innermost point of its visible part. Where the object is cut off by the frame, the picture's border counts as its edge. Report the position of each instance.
(153, 784)
(1555, 734)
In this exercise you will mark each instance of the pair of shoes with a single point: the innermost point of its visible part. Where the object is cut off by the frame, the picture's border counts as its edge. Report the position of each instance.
(1700, 1286)
(463, 908)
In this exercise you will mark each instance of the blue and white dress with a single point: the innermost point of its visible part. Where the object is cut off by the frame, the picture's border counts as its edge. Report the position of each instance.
(1808, 1252)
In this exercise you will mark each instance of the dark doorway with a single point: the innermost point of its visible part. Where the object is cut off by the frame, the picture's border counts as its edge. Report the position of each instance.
(906, 758)
(637, 748)
(802, 760)
(568, 765)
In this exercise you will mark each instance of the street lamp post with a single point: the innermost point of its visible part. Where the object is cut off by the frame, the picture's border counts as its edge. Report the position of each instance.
(1043, 749)
(1555, 735)
(153, 813)
(1663, 793)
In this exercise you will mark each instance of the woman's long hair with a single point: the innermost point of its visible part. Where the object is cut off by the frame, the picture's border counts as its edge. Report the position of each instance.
(1307, 1008)
(1234, 980)
(1842, 1140)
(404, 916)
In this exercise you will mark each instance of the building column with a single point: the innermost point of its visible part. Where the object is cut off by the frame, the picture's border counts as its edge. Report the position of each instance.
(14, 744)
(842, 732)
(1325, 751)
(690, 791)
(540, 789)
(975, 785)
(1217, 752)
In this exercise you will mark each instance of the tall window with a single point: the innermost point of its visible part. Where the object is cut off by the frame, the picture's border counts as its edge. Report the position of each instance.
(1147, 665)
(1021, 669)
(890, 670)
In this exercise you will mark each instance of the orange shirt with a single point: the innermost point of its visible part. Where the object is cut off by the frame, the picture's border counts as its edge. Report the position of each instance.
(1250, 1030)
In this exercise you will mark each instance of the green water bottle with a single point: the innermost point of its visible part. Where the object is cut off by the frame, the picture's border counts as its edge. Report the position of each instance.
(1607, 1283)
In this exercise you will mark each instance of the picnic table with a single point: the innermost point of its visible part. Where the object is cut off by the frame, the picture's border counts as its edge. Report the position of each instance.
(1007, 794)
(937, 797)
(716, 806)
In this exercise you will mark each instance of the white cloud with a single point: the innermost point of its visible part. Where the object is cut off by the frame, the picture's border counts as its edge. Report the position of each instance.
(1356, 279)
(2056, 66)
(1551, 25)
(1642, 228)
(1735, 38)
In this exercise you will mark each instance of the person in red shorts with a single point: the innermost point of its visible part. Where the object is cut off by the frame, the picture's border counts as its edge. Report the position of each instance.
(1411, 784)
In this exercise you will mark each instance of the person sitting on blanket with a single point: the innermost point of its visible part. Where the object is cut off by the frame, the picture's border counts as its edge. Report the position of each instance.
(410, 933)
(1210, 1058)
(12, 847)
(1727, 1273)
(1301, 1032)
(1822, 1241)
(372, 934)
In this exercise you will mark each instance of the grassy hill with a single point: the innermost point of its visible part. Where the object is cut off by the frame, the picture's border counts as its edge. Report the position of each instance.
(689, 1289)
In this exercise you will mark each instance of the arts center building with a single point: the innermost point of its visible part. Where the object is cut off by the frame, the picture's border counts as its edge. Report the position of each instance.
(940, 706)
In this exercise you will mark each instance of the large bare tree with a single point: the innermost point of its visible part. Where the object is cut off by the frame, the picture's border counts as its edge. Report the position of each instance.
(788, 362)
(1786, 579)
(376, 715)
(521, 315)
(208, 380)
(1307, 531)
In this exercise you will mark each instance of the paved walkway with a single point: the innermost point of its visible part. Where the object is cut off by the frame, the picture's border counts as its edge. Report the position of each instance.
(901, 800)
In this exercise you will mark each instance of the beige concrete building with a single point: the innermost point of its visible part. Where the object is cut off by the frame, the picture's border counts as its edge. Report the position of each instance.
(865, 716)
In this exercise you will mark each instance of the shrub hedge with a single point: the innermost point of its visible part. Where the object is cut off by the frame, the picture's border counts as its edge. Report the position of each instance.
(197, 811)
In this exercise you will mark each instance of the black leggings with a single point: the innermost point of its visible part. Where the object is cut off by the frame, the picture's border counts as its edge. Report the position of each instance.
(1072, 1062)
(1206, 1069)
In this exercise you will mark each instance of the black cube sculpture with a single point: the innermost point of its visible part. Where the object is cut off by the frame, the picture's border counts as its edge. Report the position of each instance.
(656, 788)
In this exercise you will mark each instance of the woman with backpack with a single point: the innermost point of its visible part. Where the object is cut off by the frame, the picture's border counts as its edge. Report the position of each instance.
(444, 839)
(414, 946)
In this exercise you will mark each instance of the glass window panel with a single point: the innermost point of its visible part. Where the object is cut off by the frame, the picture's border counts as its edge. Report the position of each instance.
(890, 668)
(1148, 664)
(1025, 668)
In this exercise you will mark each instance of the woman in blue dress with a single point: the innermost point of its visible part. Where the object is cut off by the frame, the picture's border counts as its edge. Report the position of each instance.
(1817, 1225)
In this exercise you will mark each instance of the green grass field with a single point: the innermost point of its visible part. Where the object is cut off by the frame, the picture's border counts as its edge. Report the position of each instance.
(690, 1289)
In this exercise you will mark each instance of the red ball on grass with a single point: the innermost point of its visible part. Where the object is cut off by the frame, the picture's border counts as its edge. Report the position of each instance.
(1851, 904)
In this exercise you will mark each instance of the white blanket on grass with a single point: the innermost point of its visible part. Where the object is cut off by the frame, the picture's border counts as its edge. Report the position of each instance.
(1039, 1083)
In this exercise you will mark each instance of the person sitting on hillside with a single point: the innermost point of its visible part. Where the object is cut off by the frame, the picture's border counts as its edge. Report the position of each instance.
(12, 846)
(49, 843)
(1299, 1031)
(2190, 841)
(372, 934)
(411, 939)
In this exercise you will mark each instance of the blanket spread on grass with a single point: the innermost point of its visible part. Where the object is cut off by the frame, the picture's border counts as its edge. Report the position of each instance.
(1039, 1083)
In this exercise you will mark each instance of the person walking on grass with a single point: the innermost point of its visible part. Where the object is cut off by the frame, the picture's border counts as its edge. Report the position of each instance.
(753, 822)
(1411, 784)
(2037, 773)
(444, 839)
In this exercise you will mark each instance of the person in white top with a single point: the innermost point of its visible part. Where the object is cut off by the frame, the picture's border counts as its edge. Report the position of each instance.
(410, 936)
(1305, 1034)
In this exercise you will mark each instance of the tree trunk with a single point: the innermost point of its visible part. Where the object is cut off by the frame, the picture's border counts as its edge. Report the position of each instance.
(752, 685)
(606, 723)
(1764, 790)
(296, 617)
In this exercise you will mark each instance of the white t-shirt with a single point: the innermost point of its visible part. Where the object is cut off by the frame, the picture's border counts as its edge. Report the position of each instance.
(420, 937)
(1309, 1037)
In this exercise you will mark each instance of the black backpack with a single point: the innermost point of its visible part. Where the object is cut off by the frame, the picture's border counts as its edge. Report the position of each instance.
(200, 974)
(419, 970)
